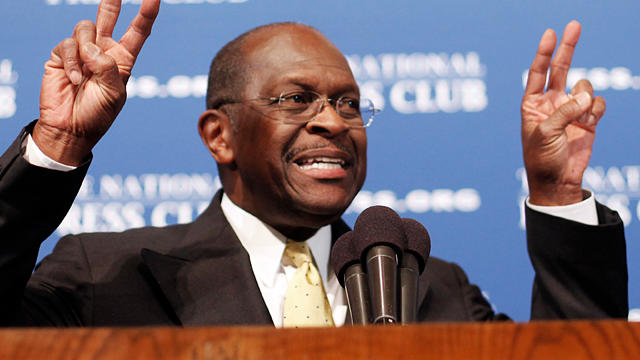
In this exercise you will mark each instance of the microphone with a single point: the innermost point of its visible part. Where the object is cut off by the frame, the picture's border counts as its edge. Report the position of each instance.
(346, 263)
(413, 263)
(379, 238)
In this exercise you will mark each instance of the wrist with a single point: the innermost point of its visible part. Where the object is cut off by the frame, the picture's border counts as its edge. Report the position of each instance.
(556, 195)
(62, 146)
(583, 212)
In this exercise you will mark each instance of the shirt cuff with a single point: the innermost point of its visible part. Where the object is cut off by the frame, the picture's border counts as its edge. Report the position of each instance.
(583, 212)
(34, 156)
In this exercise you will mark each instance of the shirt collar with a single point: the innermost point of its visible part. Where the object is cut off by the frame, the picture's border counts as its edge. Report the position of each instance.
(265, 245)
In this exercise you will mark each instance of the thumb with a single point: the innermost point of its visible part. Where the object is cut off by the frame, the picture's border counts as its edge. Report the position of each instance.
(102, 66)
(569, 112)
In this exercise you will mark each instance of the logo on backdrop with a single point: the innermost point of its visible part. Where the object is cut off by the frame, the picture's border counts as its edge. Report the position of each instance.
(409, 83)
(118, 202)
(8, 81)
(421, 83)
(178, 86)
(617, 187)
(419, 201)
(137, 2)
(617, 78)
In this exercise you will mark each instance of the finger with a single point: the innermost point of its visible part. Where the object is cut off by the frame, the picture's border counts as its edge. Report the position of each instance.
(69, 58)
(597, 111)
(583, 86)
(140, 27)
(108, 12)
(562, 61)
(567, 113)
(103, 67)
(538, 70)
(84, 32)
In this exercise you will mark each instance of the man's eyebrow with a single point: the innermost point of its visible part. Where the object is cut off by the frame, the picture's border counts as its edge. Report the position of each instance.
(306, 84)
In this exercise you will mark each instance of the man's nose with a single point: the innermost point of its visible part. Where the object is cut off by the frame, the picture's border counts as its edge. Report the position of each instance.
(327, 121)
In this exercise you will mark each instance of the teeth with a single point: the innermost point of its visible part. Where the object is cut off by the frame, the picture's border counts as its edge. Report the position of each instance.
(323, 166)
(323, 163)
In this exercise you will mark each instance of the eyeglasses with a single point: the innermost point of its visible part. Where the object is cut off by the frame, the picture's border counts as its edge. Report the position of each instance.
(300, 107)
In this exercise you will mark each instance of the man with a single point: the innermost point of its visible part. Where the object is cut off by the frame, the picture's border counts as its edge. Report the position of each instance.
(288, 172)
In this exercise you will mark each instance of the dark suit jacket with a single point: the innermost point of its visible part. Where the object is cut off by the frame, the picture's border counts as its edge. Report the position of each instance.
(199, 273)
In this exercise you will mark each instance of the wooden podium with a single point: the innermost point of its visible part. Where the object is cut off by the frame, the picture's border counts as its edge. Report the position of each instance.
(536, 340)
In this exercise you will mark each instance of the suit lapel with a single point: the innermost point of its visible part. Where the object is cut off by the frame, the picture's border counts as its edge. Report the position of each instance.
(424, 286)
(338, 228)
(207, 278)
(162, 270)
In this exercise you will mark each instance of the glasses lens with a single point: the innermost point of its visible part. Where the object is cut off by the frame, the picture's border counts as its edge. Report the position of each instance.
(297, 106)
(367, 111)
(348, 108)
(302, 106)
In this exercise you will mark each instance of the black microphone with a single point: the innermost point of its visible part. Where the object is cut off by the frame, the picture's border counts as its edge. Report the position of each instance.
(379, 238)
(346, 263)
(413, 263)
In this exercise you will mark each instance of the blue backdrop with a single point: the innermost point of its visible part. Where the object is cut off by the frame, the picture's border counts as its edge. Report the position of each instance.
(445, 150)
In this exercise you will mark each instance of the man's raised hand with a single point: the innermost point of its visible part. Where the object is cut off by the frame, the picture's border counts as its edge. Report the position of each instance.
(558, 130)
(84, 85)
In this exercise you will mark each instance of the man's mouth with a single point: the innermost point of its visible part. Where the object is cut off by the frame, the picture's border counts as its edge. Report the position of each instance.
(321, 163)
(324, 163)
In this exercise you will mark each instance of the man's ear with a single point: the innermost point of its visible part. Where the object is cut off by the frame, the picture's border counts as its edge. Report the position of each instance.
(215, 130)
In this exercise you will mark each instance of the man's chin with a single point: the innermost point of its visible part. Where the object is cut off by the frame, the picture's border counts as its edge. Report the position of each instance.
(305, 218)
(321, 199)
(323, 207)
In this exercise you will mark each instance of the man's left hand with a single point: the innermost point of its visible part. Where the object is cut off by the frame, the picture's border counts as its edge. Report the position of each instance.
(558, 129)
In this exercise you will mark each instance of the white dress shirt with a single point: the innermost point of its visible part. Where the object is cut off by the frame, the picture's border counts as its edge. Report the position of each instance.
(582, 212)
(265, 246)
(35, 156)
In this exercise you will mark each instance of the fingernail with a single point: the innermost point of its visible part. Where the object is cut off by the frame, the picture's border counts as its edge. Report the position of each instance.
(75, 77)
(592, 120)
(91, 50)
(583, 99)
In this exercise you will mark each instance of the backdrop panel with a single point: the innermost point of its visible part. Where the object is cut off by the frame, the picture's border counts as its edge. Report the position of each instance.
(445, 150)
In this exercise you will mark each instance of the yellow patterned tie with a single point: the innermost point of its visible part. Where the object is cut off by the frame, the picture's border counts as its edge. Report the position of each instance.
(306, 302)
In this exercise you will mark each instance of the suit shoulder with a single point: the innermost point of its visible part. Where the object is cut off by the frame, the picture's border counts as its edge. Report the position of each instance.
(441, 264)
(157, 238)
(444, 272)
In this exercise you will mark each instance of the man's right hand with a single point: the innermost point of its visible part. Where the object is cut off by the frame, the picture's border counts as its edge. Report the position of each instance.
(84, 85)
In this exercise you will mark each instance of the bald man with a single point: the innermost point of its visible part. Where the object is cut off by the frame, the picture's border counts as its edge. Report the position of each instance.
(286, 127)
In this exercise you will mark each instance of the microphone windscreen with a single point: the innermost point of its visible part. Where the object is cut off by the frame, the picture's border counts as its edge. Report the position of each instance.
(418, 240)
(378, 225)
(343, 255)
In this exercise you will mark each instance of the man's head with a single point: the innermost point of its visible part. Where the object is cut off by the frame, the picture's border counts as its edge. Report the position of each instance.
(294, 177)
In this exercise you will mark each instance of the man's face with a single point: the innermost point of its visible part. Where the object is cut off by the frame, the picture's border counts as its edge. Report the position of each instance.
(303, 175)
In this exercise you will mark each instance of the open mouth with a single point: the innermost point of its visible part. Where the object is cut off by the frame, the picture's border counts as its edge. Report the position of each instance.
(321, 163)
(325, 163)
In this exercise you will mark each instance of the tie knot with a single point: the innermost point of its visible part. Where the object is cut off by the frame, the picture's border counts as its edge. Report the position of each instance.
(298, 252)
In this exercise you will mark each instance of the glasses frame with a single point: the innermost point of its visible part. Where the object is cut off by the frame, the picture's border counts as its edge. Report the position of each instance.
(372, 110)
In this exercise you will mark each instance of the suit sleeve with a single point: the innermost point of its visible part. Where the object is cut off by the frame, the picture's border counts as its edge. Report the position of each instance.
(449, 296)
(581, 270)
(33, 202)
